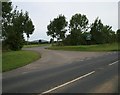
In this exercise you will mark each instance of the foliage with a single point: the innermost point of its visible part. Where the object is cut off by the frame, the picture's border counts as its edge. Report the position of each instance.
(56, 28)
(102, 33)
(28, 25)
(118, 35)
(96, 31)
(78, 25)
(78, 22)
(6, 15)
(14, 24)
(80, 33)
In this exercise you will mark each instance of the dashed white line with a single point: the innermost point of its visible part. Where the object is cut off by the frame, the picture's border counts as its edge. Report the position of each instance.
(62, 85)
(74, 80)
(113, 63)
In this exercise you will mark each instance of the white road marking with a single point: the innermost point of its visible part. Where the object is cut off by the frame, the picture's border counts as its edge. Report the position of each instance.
(62, 85)
(113, 63)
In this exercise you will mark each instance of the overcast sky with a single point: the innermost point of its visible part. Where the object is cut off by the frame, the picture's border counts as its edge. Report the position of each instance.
(42, 12)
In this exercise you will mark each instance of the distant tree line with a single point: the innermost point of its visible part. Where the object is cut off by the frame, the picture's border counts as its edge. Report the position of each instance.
(14, 24)
(80, 31)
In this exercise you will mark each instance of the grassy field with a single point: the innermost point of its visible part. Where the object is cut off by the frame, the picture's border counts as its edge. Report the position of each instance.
(15, 59)
(35, 45)
(100, 47)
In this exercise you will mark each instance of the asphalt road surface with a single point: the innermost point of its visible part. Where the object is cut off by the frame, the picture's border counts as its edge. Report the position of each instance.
(92, 75)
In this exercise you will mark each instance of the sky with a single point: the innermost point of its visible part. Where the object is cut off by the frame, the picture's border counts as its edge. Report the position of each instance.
(42, 12)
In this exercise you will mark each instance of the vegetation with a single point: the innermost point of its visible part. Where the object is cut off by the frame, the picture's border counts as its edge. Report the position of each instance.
(14, 59)
(83, 33)
(78, 25)
(35, 45)
(56, 28)
(100, 47)
(14, 24)
(101, 33)
(28, 26)
(118, 35)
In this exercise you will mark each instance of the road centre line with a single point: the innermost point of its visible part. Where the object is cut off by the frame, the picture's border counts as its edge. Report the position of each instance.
(113, 63)
(62, 85)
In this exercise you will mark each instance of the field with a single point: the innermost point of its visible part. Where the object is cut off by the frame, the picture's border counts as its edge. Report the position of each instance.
(14, 59)
(100, 47)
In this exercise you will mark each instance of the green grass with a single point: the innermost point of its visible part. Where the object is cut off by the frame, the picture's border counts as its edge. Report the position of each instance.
(14, 59)
(35, 45)
(100, 47)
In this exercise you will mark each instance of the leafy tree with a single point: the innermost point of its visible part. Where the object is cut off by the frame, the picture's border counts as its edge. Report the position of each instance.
(96, 31)
(109, 35)
(51, 31)
(14, 38)
(102, 33)
(78, 25)
(60, 24)
(118, 35)
(56, 28)
(78, 29)
(67, 40)
(6, 15)
(106, 33)
(28, 26)
(13, 27)
(79, 22)
(113, 36)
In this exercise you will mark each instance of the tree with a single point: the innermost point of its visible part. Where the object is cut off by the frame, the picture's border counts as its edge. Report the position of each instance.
(118, 35)
(13, 27)
(96, 31)
(51, 31)
(6, 15)
(109, 35)
(60, 24)
(14, 38)
(28, 26)
(102, 33)
(56, 28)
(78, 25)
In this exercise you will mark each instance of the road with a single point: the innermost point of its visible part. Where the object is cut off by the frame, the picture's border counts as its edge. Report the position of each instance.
(91, 75)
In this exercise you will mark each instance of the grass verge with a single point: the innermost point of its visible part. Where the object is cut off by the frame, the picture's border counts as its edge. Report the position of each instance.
(100, 47)
(35, 45)
(14, 59)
